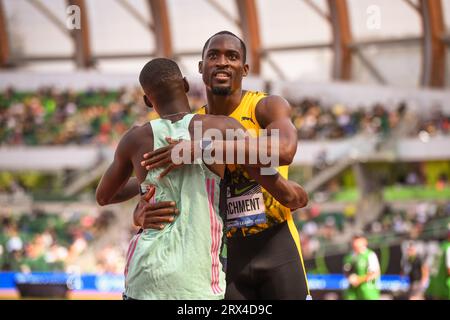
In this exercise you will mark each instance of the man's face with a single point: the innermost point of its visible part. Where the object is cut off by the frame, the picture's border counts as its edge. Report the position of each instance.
(223, 66)
(359, 245)
(411, 251)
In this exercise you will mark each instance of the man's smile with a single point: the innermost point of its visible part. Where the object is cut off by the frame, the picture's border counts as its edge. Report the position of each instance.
(222, 75)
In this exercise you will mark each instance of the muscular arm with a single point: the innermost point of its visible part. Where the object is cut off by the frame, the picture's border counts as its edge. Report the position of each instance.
(274, 113)
(116, 176)
(288, 193)
(129, 191)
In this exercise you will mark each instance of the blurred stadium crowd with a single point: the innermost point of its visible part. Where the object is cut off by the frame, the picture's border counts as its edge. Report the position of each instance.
(319, 229)
(42, 241)
(53, 117)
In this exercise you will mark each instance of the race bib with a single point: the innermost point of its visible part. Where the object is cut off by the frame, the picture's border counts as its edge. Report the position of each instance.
(246, 210)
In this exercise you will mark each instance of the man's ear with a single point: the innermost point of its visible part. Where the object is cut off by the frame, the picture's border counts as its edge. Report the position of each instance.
(246, 69)
(147, 102)
(200, 66)
(186, 85)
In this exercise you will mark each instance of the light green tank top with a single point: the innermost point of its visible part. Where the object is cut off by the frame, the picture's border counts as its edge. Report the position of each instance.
(182, 260)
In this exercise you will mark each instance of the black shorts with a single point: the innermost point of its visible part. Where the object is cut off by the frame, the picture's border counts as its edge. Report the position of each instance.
(267, 265)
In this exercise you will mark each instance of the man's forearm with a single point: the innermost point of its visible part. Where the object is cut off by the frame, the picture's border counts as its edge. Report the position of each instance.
(127, 192)
(288, 193)
(255, 152)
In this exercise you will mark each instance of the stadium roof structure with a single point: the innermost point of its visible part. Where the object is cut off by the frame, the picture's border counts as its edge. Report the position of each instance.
(393, 42)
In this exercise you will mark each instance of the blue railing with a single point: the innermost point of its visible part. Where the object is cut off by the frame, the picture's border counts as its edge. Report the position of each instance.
(115, 282)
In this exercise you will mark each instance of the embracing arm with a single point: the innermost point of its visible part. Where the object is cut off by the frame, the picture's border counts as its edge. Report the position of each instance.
(274, 113)
(129, 191)
(113, 184)
(289, 193)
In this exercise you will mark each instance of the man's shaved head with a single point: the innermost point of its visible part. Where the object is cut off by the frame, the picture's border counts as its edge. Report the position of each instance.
(159, 74)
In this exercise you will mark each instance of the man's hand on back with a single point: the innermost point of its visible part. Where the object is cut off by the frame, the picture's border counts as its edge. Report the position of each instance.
(168, 156)
(154, 215)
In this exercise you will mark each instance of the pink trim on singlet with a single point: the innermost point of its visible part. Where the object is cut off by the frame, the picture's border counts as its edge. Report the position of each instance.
(134, 241)
(131, 249)
(216, 228)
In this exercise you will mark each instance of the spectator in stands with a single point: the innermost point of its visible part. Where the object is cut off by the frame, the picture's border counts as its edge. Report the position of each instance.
(35, 259)
(45, 242)
(13, 242)
(416, 270)
(321, 161)
(110, 260)
(442, 182)
(412, 179)
(48, 117)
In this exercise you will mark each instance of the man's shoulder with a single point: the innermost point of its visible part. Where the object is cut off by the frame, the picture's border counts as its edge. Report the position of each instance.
(137, 130)
(270, 108)
(135, 134)
(272, 100)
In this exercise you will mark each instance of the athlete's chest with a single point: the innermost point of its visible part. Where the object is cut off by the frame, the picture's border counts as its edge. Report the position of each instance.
(247, 118)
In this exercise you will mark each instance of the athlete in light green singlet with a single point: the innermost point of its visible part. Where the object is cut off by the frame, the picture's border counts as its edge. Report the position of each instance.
(182, 260)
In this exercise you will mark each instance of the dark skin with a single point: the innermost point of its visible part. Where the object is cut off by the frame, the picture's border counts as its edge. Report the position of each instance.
(116, 185)
(223, 67)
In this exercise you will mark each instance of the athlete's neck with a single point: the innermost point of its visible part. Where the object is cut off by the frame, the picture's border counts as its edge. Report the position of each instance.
(223, 105)
(176, 107)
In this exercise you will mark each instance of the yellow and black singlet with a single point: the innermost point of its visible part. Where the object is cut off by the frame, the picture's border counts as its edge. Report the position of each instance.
(250, 209)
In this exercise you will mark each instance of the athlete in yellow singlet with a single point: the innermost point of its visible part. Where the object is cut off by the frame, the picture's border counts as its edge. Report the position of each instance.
(275, 212)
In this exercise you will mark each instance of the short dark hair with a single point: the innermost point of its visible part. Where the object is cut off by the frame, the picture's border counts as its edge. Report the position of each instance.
(243, 47)
(359, 235)
(159, 72)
